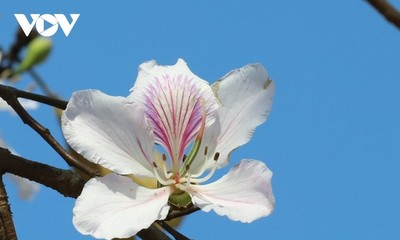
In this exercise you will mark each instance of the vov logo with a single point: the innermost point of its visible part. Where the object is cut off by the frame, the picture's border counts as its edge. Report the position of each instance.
(53, 20)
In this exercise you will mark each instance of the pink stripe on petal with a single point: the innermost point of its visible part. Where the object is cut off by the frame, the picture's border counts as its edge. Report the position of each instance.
(171, 97)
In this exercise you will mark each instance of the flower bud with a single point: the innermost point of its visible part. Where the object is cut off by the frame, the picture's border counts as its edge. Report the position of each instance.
(38, 50)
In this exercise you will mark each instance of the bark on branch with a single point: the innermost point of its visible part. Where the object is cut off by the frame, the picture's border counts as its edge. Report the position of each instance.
(65, 182)
(387, 10)
(7, 229)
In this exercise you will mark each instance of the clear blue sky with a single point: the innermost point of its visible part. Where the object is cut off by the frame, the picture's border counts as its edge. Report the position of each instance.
(332, 140)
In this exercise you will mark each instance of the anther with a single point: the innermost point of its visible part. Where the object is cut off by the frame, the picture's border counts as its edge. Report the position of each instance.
(184, 158)
(164, 157)
(205, 150)
(154, 165)
(216, 156)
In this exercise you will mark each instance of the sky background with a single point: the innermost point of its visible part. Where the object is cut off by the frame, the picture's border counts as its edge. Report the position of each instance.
(332, 139)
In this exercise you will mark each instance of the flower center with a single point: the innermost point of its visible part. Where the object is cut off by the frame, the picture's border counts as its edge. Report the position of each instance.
(182, 178)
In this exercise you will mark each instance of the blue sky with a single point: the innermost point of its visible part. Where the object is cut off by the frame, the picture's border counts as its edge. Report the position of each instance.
(332, 139)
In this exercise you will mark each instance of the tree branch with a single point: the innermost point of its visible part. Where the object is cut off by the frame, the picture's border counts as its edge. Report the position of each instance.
(9, 96)
(180, 213)
(177, 235)
(387, 10)
(7, 229)
(65, 182)
(51, 101)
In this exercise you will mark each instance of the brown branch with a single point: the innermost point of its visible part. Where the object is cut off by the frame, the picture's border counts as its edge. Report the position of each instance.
(66, 182)
(51, 101)
(7, 229)
(177, 235)
(20, 42)
(152, 233)
(387, 10)
(11, 99)
(180, 213)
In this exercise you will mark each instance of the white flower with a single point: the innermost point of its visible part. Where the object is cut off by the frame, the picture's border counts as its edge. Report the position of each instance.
(169, 113)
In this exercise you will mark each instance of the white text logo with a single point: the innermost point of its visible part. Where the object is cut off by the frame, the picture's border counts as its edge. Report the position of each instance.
(53, 20)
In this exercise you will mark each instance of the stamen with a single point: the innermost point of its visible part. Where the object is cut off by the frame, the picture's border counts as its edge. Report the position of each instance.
(197, 143)
(167, 173)
(188, 180)
(205, 151)
(216, 156)
(208, 176)
(181, 187)
(164, 182)
(203, 169)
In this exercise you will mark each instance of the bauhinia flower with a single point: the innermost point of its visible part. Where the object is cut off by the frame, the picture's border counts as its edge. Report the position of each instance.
(176, 128)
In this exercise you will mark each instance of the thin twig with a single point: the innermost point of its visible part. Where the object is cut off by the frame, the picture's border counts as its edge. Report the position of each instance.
(51, 101)
(387, 10)
(11, 99)
(7, 229)
(40, 82)
(177, 235)
(180, 213)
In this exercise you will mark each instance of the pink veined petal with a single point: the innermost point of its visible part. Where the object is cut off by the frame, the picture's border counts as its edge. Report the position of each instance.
(172, 97)
(116, 207)
(110, 131)
(246, 96)
(244, 194)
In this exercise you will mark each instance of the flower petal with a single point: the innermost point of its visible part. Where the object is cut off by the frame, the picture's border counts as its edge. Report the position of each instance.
(246, 97)
(116, 207)
(175, 101)
(110, 131)
(244, 194)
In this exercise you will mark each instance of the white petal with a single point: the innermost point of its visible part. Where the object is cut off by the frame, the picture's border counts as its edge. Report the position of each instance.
(244, 194)
(173, 98)
(116, 207)
(246, 97)
(109, 131)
